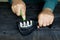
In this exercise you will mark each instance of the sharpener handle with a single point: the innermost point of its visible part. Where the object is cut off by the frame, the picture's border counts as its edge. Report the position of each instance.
(21, 15)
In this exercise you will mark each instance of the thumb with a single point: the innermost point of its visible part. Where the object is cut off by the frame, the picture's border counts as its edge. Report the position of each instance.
(18, 12)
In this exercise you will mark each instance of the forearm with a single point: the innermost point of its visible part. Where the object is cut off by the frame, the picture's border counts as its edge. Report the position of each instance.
(50, 4)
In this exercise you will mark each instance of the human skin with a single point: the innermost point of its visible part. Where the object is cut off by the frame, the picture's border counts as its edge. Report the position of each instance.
(45, 18)
(18, 5)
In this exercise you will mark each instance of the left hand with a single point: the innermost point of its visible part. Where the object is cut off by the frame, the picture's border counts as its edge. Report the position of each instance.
(45, 18)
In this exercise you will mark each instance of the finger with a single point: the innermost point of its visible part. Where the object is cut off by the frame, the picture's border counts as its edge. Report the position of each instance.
(48, 21)
(44, 21)
(13, 9)
(40, 21)
(51, 20)
(18, 11)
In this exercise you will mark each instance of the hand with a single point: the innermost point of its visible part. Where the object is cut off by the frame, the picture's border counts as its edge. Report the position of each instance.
(18, 5)
(45, 18)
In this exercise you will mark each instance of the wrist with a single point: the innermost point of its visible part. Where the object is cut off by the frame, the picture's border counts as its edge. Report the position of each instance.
(48, 10)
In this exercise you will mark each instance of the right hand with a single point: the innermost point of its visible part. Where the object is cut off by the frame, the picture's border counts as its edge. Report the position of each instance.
(17, 6)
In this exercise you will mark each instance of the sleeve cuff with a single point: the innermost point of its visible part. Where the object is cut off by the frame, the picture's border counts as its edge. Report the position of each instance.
(50, 4)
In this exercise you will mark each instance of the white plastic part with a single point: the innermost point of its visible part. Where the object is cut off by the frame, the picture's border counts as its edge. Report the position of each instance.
(26, 24)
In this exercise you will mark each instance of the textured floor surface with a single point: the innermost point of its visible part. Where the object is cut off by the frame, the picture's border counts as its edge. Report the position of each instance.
(9, 30)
